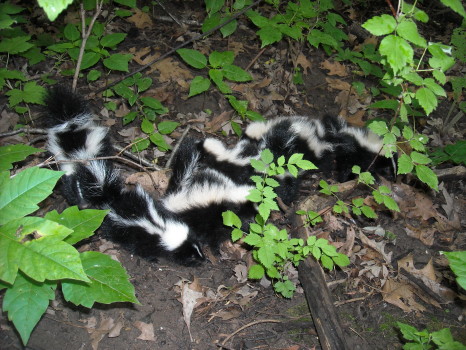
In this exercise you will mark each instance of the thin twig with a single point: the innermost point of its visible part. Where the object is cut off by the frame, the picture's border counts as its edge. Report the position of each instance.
(246, 326)
(25, 130)
(85, 35)
(169, 53)
(165, 9)
(143, 162)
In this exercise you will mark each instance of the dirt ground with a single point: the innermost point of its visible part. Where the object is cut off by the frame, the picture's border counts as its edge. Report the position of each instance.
(243, 314)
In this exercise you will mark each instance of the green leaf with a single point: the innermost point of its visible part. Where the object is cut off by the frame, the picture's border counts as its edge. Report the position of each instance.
(128, 3)
(213, 6)
(198, 85)
(140, 144)
(379, 127)
(82, 222)
(147, 127)
(167, 127)
(220, 59)
(217, 77)
(154, 104)
(409, 332)
(427, 176)
(109, 282)
(390, 203)
(407, 29)
(15, 153)
(256, 272)
(158, 140)
(236, 234)
(93, 75)
(235, 73)
(21, 194)
(89, 59)
(436, 89)
(193, 57)
(405, 164)
(285, 288)
(368, 212)
(118, 62)
(380, 25)
(254, 196)
(229, 28)
(71, 32)
(266, 256)
(143, 84)
(420, 158)
(457, 262)
(231, 219)
(341, 260)
(455, 5)
(427, 99)
(15, 45)
(440, 76)
(398, 52)
(26, 301)
(306, 164)
(269, 35)
(53, 8)
(111, 40)
(267, 156)
(327, 262)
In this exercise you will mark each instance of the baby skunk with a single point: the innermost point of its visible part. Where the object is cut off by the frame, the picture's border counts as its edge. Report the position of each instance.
(135, 219)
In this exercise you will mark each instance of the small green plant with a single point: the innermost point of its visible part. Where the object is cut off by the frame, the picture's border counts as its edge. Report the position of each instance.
(455, 153)
(457, 262)
(37, 254)
(220, 70)
(424, 340)
(218, 13)
(272, 249)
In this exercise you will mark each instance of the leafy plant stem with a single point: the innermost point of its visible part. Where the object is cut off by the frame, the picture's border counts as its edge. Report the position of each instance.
(85, 35)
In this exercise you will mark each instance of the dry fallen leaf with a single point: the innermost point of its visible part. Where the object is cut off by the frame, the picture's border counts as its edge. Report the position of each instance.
(335, 68)
(241, 273)
(156, 180)
(303, 62)
(337, 84)
(147, 330)
(191, 292)
(377, 246)
(401, 295)
(140, 19)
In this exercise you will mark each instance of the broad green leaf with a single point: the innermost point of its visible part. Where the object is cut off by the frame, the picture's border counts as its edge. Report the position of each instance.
(143, 84)
(220, 59)
(213, 6)
(440, 76)
(89, 59)
(118, 62)
(53, 7)
(256, 272)
(167, 127)
(253, 240)
(427, 176)
(15, 45)
(140, 144)
(155, 104)
(427, 99)
(193, 57)
(111, 40)
(379, 127)
(93, 75)
(434, 87)
(390, 104)
(71, 32)
(198, 85)
(306, 164)
(229, 28)
(82, 222)
(158, 140)
(390, 203)
(109, 282)
(440, 59)
(147, 127)
(457, 262)
(407, 29)
(420, 158)
(398, 52)
(231, 219)
(368, 212)
(266, 256)
(15, 153)
(21, 227)
(269, 35)
(405, 164)
(455, 5)
(254, 196)
(217, 77)
(235, 73)
(380, 25)
(326, 262)
(239, 106)
(295, 158)
(236, 234)
(25, 302)
(316, 37)
(128, 3)
(267, 156)
(408, 331)
(21, 194)
(285, 288)
(341, 260)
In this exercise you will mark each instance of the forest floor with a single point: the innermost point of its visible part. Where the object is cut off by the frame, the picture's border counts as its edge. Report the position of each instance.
(382, 285)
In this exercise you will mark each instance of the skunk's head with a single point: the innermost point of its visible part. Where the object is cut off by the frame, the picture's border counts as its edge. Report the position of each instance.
(189, 254)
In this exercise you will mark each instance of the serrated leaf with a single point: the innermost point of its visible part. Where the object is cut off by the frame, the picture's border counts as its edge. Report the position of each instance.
(228, 28)
(26, 301)
(398, 52)
(254, 196)
(193, 57)
(427, 176)
(15, 153)
(440, 76)
(118, 62)
(380, 25)
(256, 272)
(326, 262)
(269, 35)
(266, 256)
(341, 260)
(21, 194)
(82, 222)
(427, 99)
(109, 282)
(436, 89)
(154, 104)
(306, 164)
(264, 211)
(455, 5)
(217, 77)
(21, 227)
(53, 8)
(236, 234)
(407, 29)
(158, 140)
(457, 262)
(253, 240)
(390, 203)
(15, 45)
(198, 85)
(368, 212)
(379, 127)
(405, 164)
(71, 32)
(420, 158)
(147, 126)
(267, 156)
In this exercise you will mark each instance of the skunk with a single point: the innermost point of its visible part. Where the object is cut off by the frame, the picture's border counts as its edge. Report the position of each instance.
(135, 218)
(201, 189)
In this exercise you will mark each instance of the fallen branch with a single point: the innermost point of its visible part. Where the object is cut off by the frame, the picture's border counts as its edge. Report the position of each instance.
(246, 326)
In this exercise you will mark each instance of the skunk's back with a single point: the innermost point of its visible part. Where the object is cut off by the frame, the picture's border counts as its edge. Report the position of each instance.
(61, 105)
